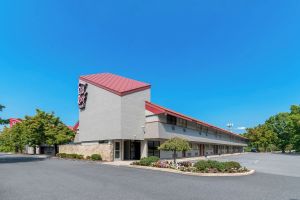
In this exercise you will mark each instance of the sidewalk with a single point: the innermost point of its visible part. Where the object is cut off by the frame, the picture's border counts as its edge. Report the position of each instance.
(128, 162)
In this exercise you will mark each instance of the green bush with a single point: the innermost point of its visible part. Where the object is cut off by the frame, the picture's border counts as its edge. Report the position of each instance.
(78, 156)
(148, 160)
(96, 157)
(70, 156)
(212, 165)
(61, 155)
(232, 165)
(201, 165)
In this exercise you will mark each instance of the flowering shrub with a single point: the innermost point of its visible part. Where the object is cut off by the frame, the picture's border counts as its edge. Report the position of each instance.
(185, 164)
(161, 164)
(202, 166)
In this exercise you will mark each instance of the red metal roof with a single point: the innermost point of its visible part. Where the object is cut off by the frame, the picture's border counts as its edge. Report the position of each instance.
(75, 127)
(13, 121)
(156, 109)
(116, 84)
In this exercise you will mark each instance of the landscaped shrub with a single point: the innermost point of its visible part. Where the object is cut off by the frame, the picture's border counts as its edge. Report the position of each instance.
(216, 166)
(61, 155)
(201, 165)
(96, 157)
(161, 164)
(88, 157)
(148, 160)
(185, 164)
(232, 165)
(79, 157)
(70, 156)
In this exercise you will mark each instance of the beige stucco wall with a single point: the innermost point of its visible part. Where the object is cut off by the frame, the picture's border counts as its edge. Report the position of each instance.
(101, 118)
(133, 115)
(105, 150)
(108, 116)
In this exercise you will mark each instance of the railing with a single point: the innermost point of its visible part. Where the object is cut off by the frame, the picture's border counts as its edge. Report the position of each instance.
(184, 130)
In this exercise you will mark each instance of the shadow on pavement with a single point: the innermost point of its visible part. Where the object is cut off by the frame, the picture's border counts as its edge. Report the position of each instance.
(18, 159)
(287, 154)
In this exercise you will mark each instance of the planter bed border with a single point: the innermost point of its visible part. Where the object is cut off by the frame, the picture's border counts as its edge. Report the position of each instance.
(193, 173)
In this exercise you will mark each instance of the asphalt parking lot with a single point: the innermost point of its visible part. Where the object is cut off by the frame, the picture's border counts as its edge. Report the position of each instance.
(278, 164)
(277, 178)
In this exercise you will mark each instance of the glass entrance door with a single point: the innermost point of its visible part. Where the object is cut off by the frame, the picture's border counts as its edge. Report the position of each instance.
(117, 150)
(132, 150)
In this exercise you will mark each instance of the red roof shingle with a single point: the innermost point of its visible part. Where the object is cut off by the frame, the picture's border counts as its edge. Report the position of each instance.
(116, 84)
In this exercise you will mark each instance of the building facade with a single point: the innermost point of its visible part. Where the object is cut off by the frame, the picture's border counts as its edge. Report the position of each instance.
(118, 120)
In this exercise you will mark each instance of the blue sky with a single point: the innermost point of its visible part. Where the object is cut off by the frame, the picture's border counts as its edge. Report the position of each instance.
(218, 61)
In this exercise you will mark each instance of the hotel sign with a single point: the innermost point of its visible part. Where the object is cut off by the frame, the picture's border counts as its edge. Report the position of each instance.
(82, 95)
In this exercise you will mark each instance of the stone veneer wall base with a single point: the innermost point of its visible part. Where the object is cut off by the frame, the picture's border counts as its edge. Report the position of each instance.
(105, 150)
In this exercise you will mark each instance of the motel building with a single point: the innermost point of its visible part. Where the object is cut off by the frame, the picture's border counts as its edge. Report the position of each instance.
(118, 120)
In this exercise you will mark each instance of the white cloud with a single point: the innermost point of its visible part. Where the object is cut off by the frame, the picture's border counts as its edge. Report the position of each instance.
(241, 128)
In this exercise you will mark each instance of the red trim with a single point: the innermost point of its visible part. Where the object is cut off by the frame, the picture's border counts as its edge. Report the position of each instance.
(156, 109)
(76, 126)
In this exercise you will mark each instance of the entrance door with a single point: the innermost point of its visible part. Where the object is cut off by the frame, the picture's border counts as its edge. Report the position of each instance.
(132, 150)
(201, 149)
(215, 149)
(135, 150)
(117, 150)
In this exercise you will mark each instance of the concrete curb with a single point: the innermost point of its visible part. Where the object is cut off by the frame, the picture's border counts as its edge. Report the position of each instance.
(193, 173)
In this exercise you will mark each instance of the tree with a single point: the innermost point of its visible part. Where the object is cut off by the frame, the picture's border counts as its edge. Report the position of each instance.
(6, 142)
(3, 121)
(175, 144)
(253, 134)
(261, 137)
(283, 126)
(42, 128)
(18, 137)
(295, 117)
(46, 128)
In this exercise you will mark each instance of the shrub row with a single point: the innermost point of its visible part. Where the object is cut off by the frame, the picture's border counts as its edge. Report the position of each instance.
(216, 166)
(147, 161)
(71, 156)
(78, 156)
(202, 166)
